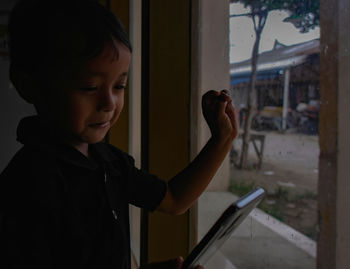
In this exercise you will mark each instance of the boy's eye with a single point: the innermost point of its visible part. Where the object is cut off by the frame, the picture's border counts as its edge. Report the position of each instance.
(91, 89)
(119, 87)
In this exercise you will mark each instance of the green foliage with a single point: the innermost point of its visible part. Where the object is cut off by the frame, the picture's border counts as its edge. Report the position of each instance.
(273, 210)
(282, 193)
(304, 15)
(265, 5)
(241, 188)
(306, 195)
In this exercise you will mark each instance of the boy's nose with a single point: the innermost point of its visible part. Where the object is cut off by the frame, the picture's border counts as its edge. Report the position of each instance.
(107, 100)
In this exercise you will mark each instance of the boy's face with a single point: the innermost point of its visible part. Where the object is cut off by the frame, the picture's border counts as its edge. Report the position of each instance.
(89, 105)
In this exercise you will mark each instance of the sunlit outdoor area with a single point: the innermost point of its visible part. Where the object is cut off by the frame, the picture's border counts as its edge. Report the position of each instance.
(274, 80)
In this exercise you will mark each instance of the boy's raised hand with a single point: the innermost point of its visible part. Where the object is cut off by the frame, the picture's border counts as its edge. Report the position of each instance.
(171, 264)
(219, 114)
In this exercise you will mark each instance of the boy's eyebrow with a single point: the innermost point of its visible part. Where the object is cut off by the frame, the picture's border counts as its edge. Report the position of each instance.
(103, 74)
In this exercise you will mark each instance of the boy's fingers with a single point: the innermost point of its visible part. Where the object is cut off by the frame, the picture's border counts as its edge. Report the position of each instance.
(210, 94)
(230, 111)
(224, 96)
(170, 264)
(222, 107)
(209, 98)
(179, 261)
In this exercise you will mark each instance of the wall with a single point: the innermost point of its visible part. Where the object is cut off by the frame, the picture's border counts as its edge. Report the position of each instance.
(12, 107)
(211, 52)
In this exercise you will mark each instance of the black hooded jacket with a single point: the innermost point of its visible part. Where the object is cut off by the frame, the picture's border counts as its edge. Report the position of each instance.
(59, 209)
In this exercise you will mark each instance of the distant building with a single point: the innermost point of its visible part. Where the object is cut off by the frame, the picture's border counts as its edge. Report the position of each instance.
(291, 70)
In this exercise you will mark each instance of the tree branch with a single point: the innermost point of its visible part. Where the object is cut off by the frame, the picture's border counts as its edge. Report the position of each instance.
(254, 22)
(262, 21)
(241, 15)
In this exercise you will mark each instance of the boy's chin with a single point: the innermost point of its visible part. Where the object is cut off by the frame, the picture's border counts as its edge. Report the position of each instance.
(93, 139)
(96, 140)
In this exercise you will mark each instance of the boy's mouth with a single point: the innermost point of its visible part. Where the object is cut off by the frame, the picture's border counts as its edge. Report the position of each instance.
(99, 125)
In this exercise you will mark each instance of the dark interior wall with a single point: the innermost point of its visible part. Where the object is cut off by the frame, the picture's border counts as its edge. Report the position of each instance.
(12, 107)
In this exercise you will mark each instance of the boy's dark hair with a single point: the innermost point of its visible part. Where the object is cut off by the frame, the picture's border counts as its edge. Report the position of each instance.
(50, 36)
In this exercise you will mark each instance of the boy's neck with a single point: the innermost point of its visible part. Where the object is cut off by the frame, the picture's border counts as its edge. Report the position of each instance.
(83, 148)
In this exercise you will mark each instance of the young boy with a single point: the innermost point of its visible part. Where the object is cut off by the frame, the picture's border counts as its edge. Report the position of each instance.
(64, 196)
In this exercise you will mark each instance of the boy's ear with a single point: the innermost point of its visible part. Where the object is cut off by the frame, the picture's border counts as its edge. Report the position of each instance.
(24, 85)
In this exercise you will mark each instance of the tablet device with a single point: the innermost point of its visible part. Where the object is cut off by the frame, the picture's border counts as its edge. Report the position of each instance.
(223, 228)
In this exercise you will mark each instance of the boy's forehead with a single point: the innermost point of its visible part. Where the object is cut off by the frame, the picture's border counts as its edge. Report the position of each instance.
(106, 64)
(91, 73)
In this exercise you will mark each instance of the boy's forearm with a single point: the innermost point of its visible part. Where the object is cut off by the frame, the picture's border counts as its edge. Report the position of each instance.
(188, 185)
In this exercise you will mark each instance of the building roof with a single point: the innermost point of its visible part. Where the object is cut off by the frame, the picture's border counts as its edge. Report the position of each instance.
(278, 58)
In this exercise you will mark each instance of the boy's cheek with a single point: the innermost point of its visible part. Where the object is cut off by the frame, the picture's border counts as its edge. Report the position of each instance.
(114, 120)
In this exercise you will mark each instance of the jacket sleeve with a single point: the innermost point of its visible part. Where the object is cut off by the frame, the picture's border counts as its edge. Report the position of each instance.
(142, 188)
(145, 190)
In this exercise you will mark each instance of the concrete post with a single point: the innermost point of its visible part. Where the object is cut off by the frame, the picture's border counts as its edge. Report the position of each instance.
(285, 98)
(334, 185)
(343, 188)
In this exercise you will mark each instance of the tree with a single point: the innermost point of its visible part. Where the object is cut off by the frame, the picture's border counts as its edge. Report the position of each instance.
(303, 14)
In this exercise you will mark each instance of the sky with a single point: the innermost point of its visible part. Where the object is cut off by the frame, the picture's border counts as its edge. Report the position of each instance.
(242, 34)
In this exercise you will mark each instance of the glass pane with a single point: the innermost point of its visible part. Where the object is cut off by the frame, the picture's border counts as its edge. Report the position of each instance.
(283, 151)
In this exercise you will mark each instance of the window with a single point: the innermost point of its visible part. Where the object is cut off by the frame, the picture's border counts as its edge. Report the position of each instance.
(283, 149)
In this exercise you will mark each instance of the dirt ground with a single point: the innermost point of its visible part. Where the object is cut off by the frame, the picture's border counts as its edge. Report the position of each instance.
(289, 173)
